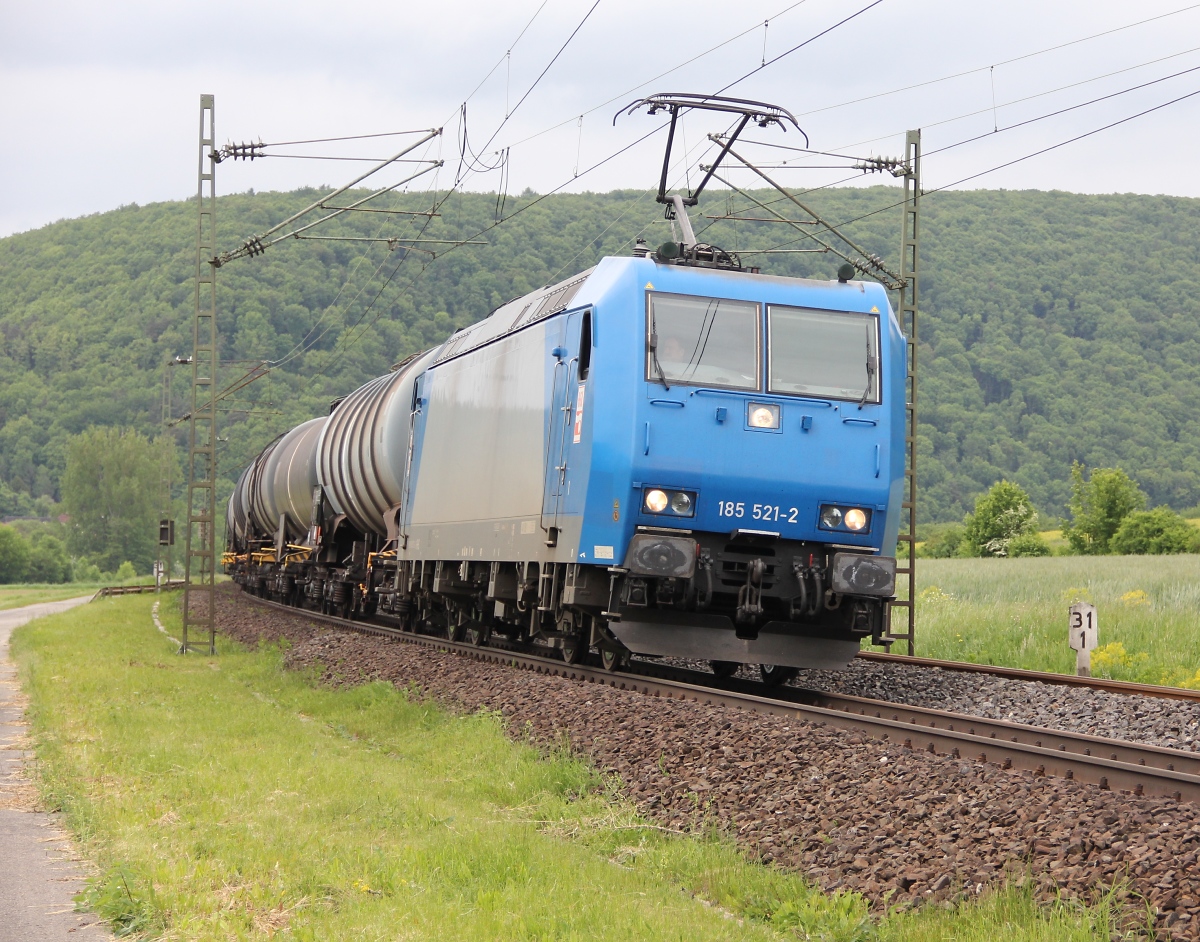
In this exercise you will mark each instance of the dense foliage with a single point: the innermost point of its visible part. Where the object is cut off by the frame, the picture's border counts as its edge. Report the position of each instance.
(1106, 518)
(111, 492)
(1160, 531)
(14, 555)
(42, 558)
(1003, 523)
(1055, 327)
(1098, 506)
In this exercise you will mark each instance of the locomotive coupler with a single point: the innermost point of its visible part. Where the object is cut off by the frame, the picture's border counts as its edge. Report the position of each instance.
(750, 595)
(703, 580)
(799, 604)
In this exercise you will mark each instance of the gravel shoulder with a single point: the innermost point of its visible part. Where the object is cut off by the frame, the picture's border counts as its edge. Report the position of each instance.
(902, 828)
(40, 870)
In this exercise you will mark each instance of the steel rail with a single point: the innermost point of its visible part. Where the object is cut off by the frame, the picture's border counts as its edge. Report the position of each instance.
(1041, 677)
(1061, 740)
(1150, 771)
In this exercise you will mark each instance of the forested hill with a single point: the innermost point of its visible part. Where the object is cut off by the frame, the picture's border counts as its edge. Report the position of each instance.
(1054, 326)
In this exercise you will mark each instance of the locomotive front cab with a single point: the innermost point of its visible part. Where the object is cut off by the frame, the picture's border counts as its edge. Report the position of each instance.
(766, 469)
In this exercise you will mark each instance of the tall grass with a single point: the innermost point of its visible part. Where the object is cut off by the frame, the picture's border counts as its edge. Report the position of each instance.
(1013, 612)
(226, 798)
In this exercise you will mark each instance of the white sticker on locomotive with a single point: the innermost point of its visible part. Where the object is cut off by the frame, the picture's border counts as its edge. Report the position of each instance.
(766, 512)
(526, 527)
(579, 414)
(602, 552)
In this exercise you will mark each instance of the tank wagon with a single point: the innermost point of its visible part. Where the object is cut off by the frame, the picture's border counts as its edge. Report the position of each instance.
(669, 456)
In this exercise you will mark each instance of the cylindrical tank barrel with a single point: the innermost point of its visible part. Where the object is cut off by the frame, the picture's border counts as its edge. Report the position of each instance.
(236, 514)
(287, 474)
(259, 513)
(363, 451)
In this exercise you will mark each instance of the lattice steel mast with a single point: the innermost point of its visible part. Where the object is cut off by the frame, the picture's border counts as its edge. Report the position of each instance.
(199, 590)
(910, 268)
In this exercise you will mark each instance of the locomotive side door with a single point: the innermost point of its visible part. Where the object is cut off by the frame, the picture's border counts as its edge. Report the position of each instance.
(571, 351)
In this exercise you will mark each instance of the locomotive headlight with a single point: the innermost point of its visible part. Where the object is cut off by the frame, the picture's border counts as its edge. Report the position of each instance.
(656, 500)
(762, 415)
(851, 519)
(855, 519)
(670, 502)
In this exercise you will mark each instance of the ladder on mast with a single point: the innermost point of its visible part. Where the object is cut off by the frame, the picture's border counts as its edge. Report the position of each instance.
(199, 590)
(907, 311)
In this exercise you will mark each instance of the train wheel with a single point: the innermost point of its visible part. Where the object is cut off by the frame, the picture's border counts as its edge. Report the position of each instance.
(573, 649)
(774, 675)
(724, 669)
(612, 659)
(457, 632)
(478, 634)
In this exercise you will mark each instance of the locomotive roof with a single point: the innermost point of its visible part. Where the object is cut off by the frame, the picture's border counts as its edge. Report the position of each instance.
(550, 300)
(515, 314)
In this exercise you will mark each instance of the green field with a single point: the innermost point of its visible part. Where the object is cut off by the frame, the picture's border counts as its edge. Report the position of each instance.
(1013, 612)
(29, 593)
(224, 798)
(15, 596)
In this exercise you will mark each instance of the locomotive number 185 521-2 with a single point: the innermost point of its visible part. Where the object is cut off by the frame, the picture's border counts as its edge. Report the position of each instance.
(766, 512)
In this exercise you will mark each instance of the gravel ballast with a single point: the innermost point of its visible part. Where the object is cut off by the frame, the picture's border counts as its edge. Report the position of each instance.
(1155, 721)
(847, 811)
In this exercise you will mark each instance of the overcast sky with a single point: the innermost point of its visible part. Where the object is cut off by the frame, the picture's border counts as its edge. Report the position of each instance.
(101, 100)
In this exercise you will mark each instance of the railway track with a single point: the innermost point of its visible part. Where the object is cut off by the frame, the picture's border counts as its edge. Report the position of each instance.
(1041, 677)
(1106, 763)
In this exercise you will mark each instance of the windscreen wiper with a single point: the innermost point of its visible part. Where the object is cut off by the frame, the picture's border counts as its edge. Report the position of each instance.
(654, 354)
(870, 369)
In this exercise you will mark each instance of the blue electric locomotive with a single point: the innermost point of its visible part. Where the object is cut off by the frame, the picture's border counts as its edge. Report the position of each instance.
(666, 455)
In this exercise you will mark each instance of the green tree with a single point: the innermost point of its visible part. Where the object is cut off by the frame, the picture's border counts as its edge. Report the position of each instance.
(941, 540)
(1001, 515)
(1155, 532)
(48, 561)
(110, 490)
(84, 571)
(14, 555)
(1098, 506)
(1028, 544)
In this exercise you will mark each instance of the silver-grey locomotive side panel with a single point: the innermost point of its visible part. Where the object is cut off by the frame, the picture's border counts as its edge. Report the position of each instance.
(479, 486)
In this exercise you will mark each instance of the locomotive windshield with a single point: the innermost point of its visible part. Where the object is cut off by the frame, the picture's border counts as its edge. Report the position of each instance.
(830, 354)
(702, 341)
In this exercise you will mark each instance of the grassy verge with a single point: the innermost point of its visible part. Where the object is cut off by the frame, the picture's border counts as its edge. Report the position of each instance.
(15, 596)
(1014, 612)
(226, 798)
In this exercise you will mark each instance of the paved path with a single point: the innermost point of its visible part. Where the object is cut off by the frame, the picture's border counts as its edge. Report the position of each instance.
(39, 874)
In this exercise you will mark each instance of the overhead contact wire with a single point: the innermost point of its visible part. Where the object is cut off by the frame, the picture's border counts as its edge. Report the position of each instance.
(482, 231)
(811, 39)
(987, 134)
(984, 68)
(1009, 163)
(675, 68)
